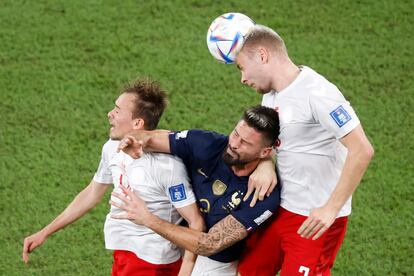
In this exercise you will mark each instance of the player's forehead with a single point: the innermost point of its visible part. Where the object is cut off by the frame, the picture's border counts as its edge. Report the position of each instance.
(247, 133)
(125, 101)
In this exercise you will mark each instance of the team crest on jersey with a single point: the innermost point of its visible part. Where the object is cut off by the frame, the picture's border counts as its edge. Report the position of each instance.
(219, 187)
(340, 116)
(177, 192)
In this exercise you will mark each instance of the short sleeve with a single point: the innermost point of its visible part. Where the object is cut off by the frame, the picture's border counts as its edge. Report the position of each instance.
(195, 144)
(177, 186)
(103, 174)
(253, 217)
(333, 112)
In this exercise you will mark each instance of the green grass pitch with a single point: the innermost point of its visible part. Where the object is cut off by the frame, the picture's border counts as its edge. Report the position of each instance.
(63, 63)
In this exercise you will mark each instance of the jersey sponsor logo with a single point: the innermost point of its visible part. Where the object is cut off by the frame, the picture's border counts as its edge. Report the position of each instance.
(177, 192)
(200, 171)
(219, 188)
(181, 134)
(266, 214)
(340, 116)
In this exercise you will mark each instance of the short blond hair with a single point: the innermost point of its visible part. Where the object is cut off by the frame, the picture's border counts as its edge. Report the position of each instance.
(260, 35)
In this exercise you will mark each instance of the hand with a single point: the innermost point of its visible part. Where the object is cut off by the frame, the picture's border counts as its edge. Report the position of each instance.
(262, 181)
(131, 146)
(30, 243)
(134, 207)
(319, 220)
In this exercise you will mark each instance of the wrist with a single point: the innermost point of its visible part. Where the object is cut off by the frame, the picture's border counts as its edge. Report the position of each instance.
(149, 220)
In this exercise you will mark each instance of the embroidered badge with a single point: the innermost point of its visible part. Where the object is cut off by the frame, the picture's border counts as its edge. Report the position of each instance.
(340, 116)
(219, 188)
(177, 192)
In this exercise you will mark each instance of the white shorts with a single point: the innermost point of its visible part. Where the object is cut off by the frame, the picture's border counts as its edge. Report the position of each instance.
(207, 267)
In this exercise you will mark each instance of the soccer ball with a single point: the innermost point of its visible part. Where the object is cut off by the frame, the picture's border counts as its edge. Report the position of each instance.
(225, 36)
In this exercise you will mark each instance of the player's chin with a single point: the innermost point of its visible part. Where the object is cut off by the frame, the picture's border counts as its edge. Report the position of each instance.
(115, 136)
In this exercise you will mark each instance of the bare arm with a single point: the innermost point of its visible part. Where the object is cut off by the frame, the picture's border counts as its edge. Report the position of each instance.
(262, 181)
(138, 141)
(360, 152)
(83, 202)
(195, 221)
(225, 233)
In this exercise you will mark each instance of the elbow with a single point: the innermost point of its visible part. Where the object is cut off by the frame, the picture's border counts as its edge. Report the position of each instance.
(368, 152)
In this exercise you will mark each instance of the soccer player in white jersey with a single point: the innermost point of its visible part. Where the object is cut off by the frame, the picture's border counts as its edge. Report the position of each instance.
(160, 179)
(322, 156)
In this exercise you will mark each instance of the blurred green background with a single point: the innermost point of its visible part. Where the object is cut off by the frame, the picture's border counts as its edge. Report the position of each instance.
(63, 63)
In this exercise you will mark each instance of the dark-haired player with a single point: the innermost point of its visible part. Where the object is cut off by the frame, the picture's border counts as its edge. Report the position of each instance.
(219, 167)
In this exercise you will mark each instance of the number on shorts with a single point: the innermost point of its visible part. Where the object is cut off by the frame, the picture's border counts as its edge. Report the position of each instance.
(304, 270)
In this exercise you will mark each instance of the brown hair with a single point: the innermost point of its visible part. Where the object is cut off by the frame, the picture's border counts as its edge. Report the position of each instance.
(150, 101)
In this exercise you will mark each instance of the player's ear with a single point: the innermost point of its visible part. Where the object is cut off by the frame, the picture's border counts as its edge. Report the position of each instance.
(264, 55)
(266, 152)
(138, 123)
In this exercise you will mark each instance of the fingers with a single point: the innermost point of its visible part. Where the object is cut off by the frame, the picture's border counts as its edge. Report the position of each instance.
(125, 142)
(250, 190)
(304, 226)
(311, 226)
(262, 194)
(254, 199)
(272, 186)
(120, 206)
(25, 253)
(309, 229)
(123, 215)
(321, 232)
(120, 197)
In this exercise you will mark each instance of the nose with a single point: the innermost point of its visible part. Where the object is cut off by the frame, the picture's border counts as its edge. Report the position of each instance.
(110, 114)
(234, 144)
(243, 79)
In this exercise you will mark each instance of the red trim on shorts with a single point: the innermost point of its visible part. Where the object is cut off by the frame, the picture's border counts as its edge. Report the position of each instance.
(126, 263)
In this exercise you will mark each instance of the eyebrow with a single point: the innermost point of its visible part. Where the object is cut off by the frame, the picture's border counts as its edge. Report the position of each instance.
(244, 140)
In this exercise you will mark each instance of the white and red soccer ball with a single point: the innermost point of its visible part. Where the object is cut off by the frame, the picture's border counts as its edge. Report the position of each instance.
(226, 34)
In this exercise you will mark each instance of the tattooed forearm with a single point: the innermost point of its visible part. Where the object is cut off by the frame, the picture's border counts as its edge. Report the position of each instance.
(222, 235)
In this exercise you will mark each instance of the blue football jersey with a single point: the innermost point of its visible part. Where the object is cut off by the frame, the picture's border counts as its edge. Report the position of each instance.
(218, 190)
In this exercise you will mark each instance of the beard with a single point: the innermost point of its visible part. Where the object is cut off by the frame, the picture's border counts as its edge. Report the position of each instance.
(231, 161)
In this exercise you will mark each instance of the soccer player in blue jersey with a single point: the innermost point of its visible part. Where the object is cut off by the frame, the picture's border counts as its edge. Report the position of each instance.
(219, 167)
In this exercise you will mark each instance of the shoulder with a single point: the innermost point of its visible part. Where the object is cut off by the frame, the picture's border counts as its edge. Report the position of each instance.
(318, 86)
(109, 149)
(110, 145)
(198, 134)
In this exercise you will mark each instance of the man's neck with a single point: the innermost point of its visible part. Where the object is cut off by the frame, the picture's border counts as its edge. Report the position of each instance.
(283, 77)
(245, 170)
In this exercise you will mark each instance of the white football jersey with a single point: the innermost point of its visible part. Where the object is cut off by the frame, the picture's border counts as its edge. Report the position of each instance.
(161, 181)
(313, 115)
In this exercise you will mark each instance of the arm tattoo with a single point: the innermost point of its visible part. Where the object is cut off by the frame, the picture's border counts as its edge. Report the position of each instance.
(225, 233)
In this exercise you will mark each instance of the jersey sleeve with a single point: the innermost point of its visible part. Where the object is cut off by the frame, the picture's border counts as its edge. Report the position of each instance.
(193, 145)
(333, 111)
(177, 185)
(103, 174)
(253, 217)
